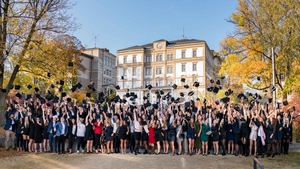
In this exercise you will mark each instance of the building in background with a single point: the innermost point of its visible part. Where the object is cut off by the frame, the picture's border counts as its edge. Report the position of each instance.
(100, 67)
(162, 64)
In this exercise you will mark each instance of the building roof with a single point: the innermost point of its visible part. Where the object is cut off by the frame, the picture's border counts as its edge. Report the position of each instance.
(86, 55)
(169, 43)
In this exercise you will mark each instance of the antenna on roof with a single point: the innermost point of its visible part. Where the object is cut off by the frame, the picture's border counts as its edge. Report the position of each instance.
(183, 37)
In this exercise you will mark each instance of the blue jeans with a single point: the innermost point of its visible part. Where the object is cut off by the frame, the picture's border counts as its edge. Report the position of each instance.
(51, 140)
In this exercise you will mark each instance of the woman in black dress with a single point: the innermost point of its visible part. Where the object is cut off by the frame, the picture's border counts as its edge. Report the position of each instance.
(286, 136)
(216, 136)
(223, 130)
(103, 136)
(245, 133)
(31, 133)
(38, 134)
(19, 131)
(165, 135)
(25, 133)
(145, 132)
(172, 136)
(123, 133)
(45, 133)
(89, 134)
(158, 136)
(270, 132)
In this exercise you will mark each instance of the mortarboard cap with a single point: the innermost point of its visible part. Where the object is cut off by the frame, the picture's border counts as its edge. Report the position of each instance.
(182, 80)
(73, 88)
(174, 86)
(212, 81)
(63, 94)
(36, 89)
(285, 103)
(118, 87)
(218, 82)
(196, 84)
(225, 100)
(19, 95)
(49, 74)
(3, 90)
(28, 97)
(186, 86)
(29, 86)
(191, 93)
(42, 100)
(61, 82)
(69, 99)
(17, 87)
(78, 85)
(210, 89)
(181, 94)
(88, 95)
(55, 100)
(216, 90)
(70, 64)
(52, 86)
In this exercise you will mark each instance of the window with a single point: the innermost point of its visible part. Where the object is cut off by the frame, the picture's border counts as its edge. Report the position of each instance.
(133, 71)
(158, 58)
(159, 82)
(170, 57)
(194, 53)
(183, 55)
(194, 66)
(170, 70)
(125, 72)
(125, 60)
(148, 58)
(104, 71)
(134, 59)
(148, 82)
(133, 84)
(158, 71)
(170, 82)
(182, 68)
(148, 71)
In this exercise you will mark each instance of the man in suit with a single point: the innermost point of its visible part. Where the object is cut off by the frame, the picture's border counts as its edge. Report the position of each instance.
(51, 132)
(61, 129)
(10, 127)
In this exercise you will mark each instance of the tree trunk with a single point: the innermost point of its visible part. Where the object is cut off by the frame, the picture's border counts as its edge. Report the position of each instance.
(2, 108)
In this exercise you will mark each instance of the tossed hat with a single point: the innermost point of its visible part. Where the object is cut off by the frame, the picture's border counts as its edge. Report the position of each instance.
(19, 95)
(17, 87)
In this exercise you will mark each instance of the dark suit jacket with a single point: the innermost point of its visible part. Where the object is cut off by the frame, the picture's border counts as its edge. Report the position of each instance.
(8, 123)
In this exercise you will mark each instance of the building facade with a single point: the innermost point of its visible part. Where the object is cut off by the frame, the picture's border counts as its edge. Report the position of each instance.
(162, 64)
(100, 67)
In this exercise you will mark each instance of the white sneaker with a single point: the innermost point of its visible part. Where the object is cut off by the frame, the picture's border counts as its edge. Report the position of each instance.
(82, 151)
(77, 151)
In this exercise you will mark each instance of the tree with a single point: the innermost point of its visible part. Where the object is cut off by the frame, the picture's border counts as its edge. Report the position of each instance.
(24, 24)
(261, 25)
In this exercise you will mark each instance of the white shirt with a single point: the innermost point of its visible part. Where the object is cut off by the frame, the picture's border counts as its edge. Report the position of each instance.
(63, 129)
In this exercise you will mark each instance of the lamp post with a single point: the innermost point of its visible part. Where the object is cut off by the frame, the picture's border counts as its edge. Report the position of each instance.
(273, 76)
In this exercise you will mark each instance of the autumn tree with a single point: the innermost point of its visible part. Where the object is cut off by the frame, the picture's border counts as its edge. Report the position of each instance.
(259, 26)
(24, 24)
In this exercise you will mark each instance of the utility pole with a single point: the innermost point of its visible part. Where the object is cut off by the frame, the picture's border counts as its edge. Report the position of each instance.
(273, 77)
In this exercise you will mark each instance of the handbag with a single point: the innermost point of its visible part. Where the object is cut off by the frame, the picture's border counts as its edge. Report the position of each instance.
(208, 133)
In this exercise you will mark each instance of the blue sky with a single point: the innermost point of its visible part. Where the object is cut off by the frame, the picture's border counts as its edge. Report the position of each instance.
(119, 24)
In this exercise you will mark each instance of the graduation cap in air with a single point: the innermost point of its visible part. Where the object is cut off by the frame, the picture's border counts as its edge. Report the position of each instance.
(49, 74)
(69, 99)
(124, 101)
(210, 89)
(148, 104)
(3, 90)
(10, 86)
(88, 95)
(36, 89)
(149, 87)
(186, 86)
(270, 100)
(273, 88)
(196, 84)
(37, 96)
(61, 82)
(285, 103)
(191, 93)
(17, 87)
(79, 85)
(52, 86)
(212, 81)
(122, 77)
(223, 77)
(265, 90)
(161, 92)
(91, 85)
(60, 89)
(19, 95)
(28, 97)
(74, 88)
(93, 89)
(127, 95)
(145, 98)
(217, 102)
(216, 90)
(118, 87)
(155, 106)
(70, 64)
(258, 78)
(241, 95)
(63, 94)
(174, 86)
(49, 97)
(182, 80)
(29, 86)
(55, 100)
(225, 100)
(181, 94)
(218, 82)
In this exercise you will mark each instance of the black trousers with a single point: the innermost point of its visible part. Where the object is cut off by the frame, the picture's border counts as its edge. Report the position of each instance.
(19, 140)
(71, 141)
(117, 144)
(131, 142)
(260, 147)
(96, 141)
(61, 143)
(80, 142)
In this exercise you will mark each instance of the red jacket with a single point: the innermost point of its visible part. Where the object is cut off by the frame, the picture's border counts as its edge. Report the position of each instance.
(97, 128)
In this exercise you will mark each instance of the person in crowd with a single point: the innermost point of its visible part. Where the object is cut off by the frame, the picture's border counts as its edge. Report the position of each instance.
(38, 134)
(72, 130)
(61, 131)
(123, 134)
(97, 131)
(81, 128)
(158, 136)
(10, 127)
(198, 128)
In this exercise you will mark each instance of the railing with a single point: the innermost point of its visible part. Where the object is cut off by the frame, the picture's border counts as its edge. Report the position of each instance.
(256, 162)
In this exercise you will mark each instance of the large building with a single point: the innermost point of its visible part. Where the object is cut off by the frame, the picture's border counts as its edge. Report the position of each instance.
(162, 64)
(100, 67)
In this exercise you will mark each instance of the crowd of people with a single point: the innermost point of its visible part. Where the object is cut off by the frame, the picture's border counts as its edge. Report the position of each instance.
(191, 127)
